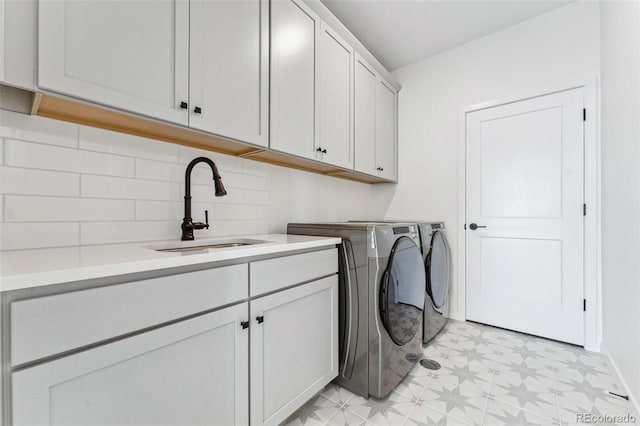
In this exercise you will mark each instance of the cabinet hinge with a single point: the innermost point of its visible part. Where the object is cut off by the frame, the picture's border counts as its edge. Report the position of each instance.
(584, 209)
(584, 305)
(584, 114)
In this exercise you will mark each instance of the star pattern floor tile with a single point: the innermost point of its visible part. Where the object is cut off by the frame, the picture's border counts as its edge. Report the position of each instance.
(488, 376)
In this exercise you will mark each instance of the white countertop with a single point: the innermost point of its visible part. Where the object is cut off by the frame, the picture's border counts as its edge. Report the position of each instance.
(21, 269)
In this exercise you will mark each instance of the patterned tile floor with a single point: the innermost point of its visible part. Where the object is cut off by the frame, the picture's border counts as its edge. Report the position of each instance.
(489, 376)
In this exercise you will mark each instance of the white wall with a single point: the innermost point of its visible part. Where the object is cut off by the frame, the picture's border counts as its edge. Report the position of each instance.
(620, 121)
(556, 50)
(63, 184)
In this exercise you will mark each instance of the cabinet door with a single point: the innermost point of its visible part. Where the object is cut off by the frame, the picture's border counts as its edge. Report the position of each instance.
(131, 55)
(294, 351)
(229, 54)
(294, 33)
(335, 99)
(386, 130)
(365, 117)
(193, 372)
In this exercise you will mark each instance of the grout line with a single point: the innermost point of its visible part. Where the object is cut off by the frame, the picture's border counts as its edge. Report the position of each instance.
(555, 391)
(486, 405)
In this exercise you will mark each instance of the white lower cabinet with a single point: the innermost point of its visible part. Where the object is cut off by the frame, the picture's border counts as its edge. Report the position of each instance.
(294, 348)
(193, 372)
(264, 355)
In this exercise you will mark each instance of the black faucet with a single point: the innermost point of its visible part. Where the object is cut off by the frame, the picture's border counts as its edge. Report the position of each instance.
(187, 223)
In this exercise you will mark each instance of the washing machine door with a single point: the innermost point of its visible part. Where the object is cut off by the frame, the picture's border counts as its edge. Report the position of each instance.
(402, 291)
(437, 270)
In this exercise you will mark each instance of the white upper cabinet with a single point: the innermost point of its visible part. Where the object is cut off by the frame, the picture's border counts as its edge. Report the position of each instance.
(294, 33)
(365, 117)
(335, 99)
(131, 55)
(18, 20)
(386, 130)
(279, 74)
(229, 72)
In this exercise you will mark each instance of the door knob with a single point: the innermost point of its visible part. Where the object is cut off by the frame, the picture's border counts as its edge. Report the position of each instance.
(475, 226)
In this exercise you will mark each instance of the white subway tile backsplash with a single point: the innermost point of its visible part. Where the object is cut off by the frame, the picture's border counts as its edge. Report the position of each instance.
(19, 208)
(15, 236)
(221, 228)
(256, 227)
(206, 193)
(197, 210)
(62, 184)
(38, 156)
(223, 162)
(124, 232)
(241, 181)
(94, 139)
(38, 182)
(37, 129)
(160, 170)
(256, 197)
(256, 168)
(159, 210)
(134, 189)
(240, 212)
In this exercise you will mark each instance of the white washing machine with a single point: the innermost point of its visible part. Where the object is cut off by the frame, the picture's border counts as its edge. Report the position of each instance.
(381, 302)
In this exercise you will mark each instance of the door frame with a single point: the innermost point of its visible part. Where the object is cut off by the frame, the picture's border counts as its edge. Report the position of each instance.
(592, 197)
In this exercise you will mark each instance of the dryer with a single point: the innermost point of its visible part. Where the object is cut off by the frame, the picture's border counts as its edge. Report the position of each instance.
(381, 298)
(437, 264)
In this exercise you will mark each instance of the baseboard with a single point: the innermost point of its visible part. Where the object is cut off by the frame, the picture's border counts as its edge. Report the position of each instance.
(621, 382)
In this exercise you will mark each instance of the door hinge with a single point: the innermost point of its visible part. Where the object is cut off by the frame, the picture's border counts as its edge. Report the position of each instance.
(584, 210)
(584, 114)
(584, 305)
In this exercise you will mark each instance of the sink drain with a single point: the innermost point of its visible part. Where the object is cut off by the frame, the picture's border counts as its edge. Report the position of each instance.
(430, 364)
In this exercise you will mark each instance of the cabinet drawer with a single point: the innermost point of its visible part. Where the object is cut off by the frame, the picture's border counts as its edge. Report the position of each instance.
(274, 274)
(49, 325)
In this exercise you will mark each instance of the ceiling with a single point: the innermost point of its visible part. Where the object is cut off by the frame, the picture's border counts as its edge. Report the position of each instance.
(399, 32)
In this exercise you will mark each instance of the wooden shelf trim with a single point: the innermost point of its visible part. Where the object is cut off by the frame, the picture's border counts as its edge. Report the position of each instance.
(64, 109)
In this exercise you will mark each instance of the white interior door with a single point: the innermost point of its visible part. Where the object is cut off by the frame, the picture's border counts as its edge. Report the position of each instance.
(525, 185)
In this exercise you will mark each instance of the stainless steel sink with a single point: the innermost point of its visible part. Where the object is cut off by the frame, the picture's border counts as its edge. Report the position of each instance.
(204, 247)
(200, 248)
